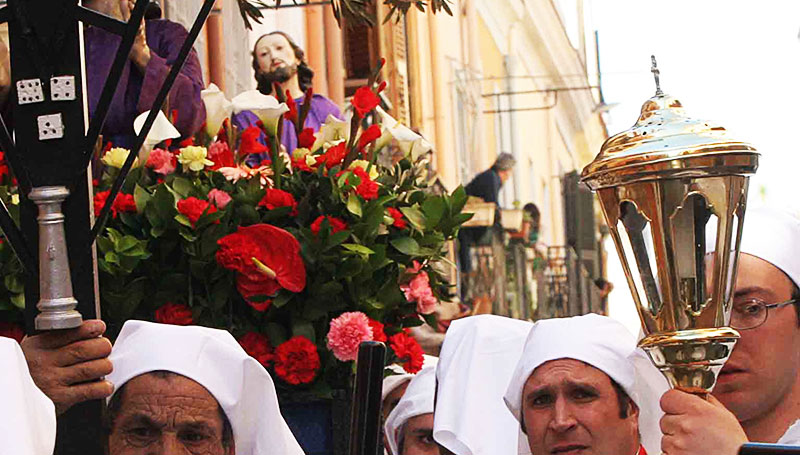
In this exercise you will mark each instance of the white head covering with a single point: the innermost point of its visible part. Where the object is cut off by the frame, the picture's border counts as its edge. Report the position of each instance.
(475, 365)
(213, 359)
(773, 235)
(605, 344)
(400, 376)
(27, 416)
(417, 400)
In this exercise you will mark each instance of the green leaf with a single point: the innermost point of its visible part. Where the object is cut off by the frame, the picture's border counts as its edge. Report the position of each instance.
(184, 220)
(182, 186)
(276, 333)
(127, 243)
(354, 205)
(406, 245)
(433, 208)
(18, 300)
(282, 299)
(414, 216)
(141, 197)
(304, 328)
(356, 248)
(13, 284)
(337, 238)
(458, 199)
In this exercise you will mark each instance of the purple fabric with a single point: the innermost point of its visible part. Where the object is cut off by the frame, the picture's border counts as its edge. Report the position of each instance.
(136, 91)
(321, 107)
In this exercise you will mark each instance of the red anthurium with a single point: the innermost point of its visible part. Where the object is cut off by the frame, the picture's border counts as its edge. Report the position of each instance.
(365, 100)
(250, 144)
(266, 257)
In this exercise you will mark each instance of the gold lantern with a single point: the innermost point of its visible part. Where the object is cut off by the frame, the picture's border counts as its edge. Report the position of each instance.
(661, 184)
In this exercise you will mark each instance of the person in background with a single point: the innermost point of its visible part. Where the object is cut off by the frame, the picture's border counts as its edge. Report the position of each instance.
(154, 50)
(486, 186)
(278, 59)
(757, 395)
(409, 427)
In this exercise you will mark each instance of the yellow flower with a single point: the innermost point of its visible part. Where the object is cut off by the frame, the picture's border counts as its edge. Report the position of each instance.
(15, 199)
(194, 157)
(300, 153)
(373, 173)
(116, 157)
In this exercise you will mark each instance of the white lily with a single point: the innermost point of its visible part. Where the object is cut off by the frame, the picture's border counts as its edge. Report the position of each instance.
(218, 108)
(161, 130)
(410, 143)
(265, 107)
(333, 130)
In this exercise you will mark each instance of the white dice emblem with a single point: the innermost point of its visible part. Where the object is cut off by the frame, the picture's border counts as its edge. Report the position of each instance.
(29, 91)
(50, 127)
(62, 88)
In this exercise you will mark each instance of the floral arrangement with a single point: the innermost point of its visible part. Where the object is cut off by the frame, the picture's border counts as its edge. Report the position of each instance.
(302, 258)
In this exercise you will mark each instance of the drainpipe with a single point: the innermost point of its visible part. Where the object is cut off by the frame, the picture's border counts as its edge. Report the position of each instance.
(508, 63)
(216, 47)
(315, 46)
(335, 56)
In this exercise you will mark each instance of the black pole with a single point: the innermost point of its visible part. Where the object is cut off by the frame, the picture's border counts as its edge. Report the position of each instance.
(366, 419)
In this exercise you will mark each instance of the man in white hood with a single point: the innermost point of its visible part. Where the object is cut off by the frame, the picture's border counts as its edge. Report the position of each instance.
(190, 389)
(27, 416)
(757, 395)
(579, 388)
(409, 428)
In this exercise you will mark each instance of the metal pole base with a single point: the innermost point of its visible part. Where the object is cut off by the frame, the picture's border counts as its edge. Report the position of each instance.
(56, 301)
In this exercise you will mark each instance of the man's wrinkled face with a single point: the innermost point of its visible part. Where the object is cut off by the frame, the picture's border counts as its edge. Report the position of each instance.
(275, 56)
(766, 360)
(418, 436)
(570, 407)
(167, 416)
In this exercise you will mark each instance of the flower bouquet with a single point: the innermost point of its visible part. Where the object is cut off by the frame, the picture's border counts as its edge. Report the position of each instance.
(301, 257)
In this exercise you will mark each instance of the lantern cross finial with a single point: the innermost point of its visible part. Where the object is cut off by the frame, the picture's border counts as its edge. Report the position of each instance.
(656, 73)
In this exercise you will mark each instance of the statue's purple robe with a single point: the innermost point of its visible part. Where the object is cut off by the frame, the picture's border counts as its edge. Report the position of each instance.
(137, 91)
(321, 107)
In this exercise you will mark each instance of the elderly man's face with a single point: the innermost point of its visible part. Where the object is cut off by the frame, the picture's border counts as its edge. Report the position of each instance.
(570, 407)
(418, 436)
(765, 363)
(168, 415)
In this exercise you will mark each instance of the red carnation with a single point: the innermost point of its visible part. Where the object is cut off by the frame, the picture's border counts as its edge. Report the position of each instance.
(125, 203)
(335, 223)
(11, 330)
(267, 259)
(301, 164)
(397, 215)
(250, 144)
(297, 361)
(370, 135)
(291, 115)
(175, 314)
(306, 138)
(221, 155)
(365, 100)
(275, 198)
(334, 155)
(100, 200)
(367, 188)
(408, 351)
(258, 347)
(194, 208)
(378, 334)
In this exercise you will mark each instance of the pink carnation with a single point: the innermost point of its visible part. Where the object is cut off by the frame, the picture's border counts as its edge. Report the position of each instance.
(346, 334)
(219, 198)
(419, 290)
(161, 161)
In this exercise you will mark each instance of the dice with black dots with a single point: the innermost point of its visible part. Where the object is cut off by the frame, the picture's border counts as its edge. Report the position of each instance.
(62, 88)
(29, 91)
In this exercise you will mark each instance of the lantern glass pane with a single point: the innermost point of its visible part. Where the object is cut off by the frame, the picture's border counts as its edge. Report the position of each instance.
(637, 242)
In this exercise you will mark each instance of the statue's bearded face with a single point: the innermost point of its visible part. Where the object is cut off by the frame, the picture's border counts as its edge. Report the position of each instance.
(171, 414)
(276, 58)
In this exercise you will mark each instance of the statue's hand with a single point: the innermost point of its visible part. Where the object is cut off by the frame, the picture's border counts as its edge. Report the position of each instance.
(69, 365)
